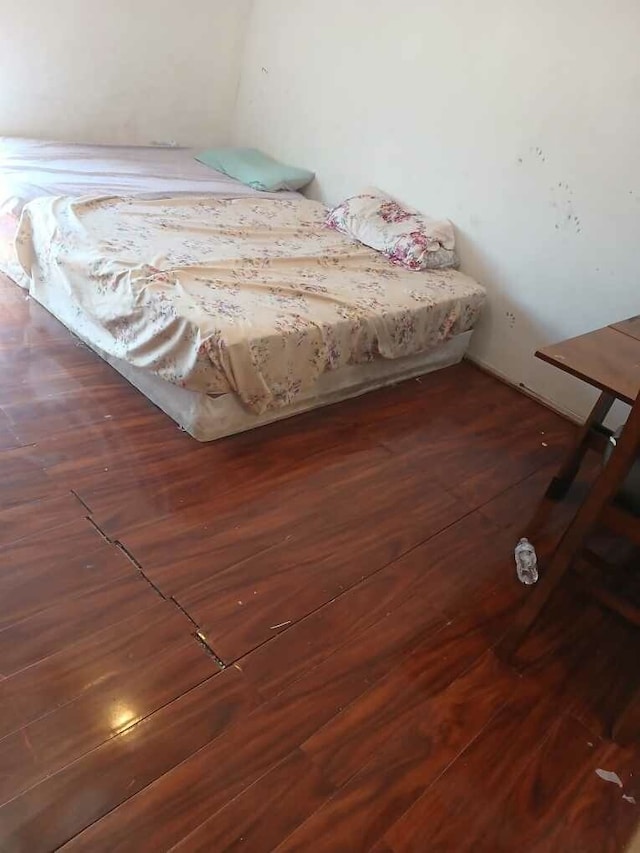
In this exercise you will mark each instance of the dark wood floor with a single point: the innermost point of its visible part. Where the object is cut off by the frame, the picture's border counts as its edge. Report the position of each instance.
(283, 640)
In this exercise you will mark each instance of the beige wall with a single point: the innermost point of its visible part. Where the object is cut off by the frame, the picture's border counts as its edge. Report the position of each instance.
(120, 70)
(518, 120)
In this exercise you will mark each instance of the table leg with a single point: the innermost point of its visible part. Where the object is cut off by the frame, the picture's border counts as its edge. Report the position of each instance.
(602, 492)
(561, 483)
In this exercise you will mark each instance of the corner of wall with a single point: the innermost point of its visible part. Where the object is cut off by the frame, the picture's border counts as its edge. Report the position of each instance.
(242, 55)
(545, 401)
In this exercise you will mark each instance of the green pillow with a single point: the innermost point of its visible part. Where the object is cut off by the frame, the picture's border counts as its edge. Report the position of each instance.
(255, 169)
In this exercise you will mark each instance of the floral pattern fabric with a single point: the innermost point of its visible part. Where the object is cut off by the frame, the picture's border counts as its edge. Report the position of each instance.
(404, 235)
(251, 295)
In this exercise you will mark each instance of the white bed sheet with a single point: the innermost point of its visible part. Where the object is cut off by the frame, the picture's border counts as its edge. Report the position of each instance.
(31, 168)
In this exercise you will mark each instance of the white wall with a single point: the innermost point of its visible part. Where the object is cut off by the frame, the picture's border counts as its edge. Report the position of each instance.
(518, 120)
(120, 70)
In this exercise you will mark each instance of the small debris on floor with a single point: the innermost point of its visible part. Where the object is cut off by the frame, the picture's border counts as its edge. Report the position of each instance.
(544, 444)
(609, 776)
(629, 799)
(281, 625)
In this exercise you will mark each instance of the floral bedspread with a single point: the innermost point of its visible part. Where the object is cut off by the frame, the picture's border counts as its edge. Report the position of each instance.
(252, 295)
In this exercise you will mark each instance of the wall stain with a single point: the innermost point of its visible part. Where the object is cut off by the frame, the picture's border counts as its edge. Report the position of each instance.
(562, 200)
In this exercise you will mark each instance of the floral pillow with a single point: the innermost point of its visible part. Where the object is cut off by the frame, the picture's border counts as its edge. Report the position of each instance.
(404, 235)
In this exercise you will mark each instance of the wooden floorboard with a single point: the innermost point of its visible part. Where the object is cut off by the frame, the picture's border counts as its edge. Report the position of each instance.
(402, 768)
(241, 608)
(347, 742)
(59, 625)
(8, 438)
(313, 639)
(265, 813)
(62, 805)
(283, 640)
(499, 755)
(46, 745)
(26, 519)
(187, 795)
(41, 570)
(79, 668)
(23, 479)
(244, 522)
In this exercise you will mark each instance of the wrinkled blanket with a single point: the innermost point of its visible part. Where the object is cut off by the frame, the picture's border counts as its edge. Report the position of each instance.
(252, 295)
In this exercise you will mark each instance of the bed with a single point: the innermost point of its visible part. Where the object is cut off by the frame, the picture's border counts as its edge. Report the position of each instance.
(226, 307)
(33, 168)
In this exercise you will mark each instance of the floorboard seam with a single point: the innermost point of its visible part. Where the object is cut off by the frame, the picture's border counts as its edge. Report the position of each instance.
(84, 503)
(102, 744)
(459, 756)
(495, 497)
(124, 550)
(347, 589)
(368, 577)
(362, 770)
(199, 634)
(134, 562)
(98, 529)
(201, 639)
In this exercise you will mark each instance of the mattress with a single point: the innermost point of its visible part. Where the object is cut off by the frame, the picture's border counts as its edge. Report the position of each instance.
(254, 296)
(9, 263)
(208, 418)
(32, 168)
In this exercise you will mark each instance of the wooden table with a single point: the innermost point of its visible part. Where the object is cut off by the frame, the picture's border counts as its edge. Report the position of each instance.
(608, 359)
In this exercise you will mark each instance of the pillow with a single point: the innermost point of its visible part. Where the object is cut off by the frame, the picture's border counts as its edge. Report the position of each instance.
(255, 169)
(403, 234)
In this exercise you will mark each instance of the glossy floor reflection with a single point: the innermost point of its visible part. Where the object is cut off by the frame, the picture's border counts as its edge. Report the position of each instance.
(283, 640)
